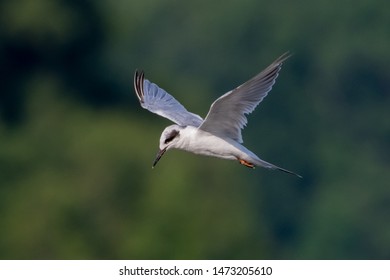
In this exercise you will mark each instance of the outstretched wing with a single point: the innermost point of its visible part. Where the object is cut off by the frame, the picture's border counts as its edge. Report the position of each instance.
(226, 116)
(160, 102)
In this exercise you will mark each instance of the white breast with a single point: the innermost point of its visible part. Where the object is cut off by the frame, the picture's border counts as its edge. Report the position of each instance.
(204, 143)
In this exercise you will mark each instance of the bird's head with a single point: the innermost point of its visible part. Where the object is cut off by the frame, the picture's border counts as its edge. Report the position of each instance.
(169, 138)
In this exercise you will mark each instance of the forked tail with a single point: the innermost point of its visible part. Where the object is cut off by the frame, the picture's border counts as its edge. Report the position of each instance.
(262, 163)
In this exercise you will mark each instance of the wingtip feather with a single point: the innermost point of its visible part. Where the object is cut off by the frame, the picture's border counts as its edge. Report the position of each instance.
(283, 57)
(139, 76)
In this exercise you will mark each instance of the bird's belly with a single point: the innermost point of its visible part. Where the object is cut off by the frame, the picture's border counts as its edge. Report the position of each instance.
(214, 146)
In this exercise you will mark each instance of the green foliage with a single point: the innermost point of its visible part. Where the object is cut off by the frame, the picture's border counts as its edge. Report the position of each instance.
(76, 148)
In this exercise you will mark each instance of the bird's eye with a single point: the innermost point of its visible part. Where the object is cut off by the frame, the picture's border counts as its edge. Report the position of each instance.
(171, 136)
(168, 140)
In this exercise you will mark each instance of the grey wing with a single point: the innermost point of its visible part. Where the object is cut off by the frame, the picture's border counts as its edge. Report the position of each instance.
(160, 102)
(226, 116)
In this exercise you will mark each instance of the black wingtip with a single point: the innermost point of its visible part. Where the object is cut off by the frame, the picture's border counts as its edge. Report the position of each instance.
(139, 83)
(138, 75)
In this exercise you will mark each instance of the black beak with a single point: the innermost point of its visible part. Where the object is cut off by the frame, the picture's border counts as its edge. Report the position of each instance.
(158, 156)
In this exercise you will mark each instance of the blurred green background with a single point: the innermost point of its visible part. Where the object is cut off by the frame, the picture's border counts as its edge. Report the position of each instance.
(76, 148)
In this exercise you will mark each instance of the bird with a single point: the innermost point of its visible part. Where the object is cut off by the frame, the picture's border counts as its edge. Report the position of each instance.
(219, 134)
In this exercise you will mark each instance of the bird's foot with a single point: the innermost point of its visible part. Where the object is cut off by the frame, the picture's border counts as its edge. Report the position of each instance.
(247, 164)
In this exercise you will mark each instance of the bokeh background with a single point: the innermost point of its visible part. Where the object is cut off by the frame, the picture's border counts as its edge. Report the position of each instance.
(76, 148)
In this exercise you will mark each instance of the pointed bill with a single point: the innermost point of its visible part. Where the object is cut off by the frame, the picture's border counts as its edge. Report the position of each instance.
(158, 156)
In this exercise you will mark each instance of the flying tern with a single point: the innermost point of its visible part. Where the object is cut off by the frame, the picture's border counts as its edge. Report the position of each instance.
(219, 134)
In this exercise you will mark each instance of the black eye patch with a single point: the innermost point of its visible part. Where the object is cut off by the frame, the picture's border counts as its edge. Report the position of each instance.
(171, 136)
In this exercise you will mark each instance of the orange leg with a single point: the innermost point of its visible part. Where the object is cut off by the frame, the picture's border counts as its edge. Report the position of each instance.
(247, 164)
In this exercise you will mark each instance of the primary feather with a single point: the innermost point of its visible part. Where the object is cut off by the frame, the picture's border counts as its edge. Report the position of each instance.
(160, 102)
(226, 116)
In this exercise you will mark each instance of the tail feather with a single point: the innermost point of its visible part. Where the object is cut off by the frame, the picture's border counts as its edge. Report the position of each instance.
(262, 163)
